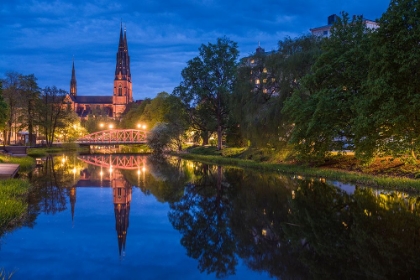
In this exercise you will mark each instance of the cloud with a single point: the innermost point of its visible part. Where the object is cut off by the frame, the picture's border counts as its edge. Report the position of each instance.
(41, 37)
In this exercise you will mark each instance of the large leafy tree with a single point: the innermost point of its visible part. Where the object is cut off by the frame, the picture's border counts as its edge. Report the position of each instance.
(389, 116)
(265, 81)
(52, 115)
(323, 112)
(208, 82)
(29, 93)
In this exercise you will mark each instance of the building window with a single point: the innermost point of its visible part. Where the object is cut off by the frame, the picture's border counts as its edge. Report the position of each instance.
(120, 91)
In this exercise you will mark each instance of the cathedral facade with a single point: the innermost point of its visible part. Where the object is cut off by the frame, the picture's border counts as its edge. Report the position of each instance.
(115, 105)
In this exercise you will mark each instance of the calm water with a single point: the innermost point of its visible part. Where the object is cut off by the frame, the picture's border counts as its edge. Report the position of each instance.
(112, 217)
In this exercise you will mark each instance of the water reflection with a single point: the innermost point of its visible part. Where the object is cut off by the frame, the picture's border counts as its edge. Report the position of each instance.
(58, 178)
(288, 227)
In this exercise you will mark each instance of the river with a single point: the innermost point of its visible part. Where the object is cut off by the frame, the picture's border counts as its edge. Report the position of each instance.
(133, 217)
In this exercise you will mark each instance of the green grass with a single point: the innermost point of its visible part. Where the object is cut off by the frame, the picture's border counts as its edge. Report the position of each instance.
(12, 201)
(387, 182)
(26, 163)
(66, 147)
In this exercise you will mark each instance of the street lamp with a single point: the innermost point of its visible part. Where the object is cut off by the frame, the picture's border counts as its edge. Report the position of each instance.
(143, 126)
(101, 125)
(111, 126)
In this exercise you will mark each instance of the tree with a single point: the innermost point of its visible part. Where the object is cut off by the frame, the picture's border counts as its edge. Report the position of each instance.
(132, 117)
(324, 110)
(52, 115)
(208, 82)
(29, 93)
(389, 116)
(3, 109)
(12, 96)
(265, 81)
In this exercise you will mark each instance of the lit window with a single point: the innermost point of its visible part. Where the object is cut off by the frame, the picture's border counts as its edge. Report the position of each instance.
(257, 81)
(265, 70)
(264, 81)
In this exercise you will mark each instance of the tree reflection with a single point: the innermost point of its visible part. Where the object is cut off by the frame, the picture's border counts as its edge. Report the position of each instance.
(296, 229)
(360, 236)
(259, 215)
(202, 216)
(49, 186)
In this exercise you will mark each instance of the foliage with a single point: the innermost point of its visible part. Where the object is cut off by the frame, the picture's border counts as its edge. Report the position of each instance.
(29, 97)
(208, 82)
(389, 114)
(11, 96)
(323, 111)
(132, 117)
(265, 81)
(52, 115)
(158, 138)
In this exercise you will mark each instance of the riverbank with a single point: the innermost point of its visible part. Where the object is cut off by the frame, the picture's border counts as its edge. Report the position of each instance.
(13, 206)
(384, 173)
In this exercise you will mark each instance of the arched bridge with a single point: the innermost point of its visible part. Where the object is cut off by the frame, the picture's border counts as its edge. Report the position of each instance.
(114, 137)
(128, 162)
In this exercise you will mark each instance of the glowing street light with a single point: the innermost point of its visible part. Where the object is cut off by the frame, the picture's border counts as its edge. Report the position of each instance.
(111, 126)
(101, 125)
(142, 126)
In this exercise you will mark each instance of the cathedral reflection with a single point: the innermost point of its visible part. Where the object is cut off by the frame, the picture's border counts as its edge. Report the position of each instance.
(106, 171)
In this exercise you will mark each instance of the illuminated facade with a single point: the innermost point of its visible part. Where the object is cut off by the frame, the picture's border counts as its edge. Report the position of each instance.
(115, 105)
(325, 31)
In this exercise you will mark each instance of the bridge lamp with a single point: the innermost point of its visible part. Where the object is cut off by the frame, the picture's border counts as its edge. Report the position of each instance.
(110, 169)
(138, 172)
(101, 125)
(111, 126)
(143, 169)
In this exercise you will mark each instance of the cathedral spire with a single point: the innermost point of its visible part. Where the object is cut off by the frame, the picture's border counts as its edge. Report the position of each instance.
(123, 93)
(73, 83)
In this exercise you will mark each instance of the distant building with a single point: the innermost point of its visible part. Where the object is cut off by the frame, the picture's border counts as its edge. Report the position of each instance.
(325, 31)
(112, 105)
(261, 78)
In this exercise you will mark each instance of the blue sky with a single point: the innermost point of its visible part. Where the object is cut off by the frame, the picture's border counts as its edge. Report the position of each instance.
(41, 37)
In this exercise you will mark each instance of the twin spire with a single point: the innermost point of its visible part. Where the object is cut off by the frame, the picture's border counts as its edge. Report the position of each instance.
(122, 69)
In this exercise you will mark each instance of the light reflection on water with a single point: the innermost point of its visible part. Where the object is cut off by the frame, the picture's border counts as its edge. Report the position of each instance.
(111, 217)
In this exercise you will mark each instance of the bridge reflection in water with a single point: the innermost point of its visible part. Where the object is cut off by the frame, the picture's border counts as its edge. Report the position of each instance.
(110, 174)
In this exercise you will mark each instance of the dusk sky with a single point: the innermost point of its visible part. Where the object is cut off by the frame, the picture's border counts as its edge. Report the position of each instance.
(41, 37)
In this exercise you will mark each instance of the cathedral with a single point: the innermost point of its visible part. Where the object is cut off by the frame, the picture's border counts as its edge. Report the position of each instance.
(115, 105)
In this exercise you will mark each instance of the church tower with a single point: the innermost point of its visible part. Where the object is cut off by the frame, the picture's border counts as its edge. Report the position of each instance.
(73, 83)
(122, 82)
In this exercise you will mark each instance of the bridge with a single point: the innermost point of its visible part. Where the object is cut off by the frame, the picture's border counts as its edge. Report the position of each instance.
(114, 137)
(127, 162)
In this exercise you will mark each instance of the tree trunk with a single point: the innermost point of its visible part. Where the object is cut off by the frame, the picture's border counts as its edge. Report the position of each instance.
(219, 137)
(205, 137)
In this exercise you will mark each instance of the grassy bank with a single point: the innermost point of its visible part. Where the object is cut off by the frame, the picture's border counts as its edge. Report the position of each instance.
(26, 163)
(338, 169)
(12, 202)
